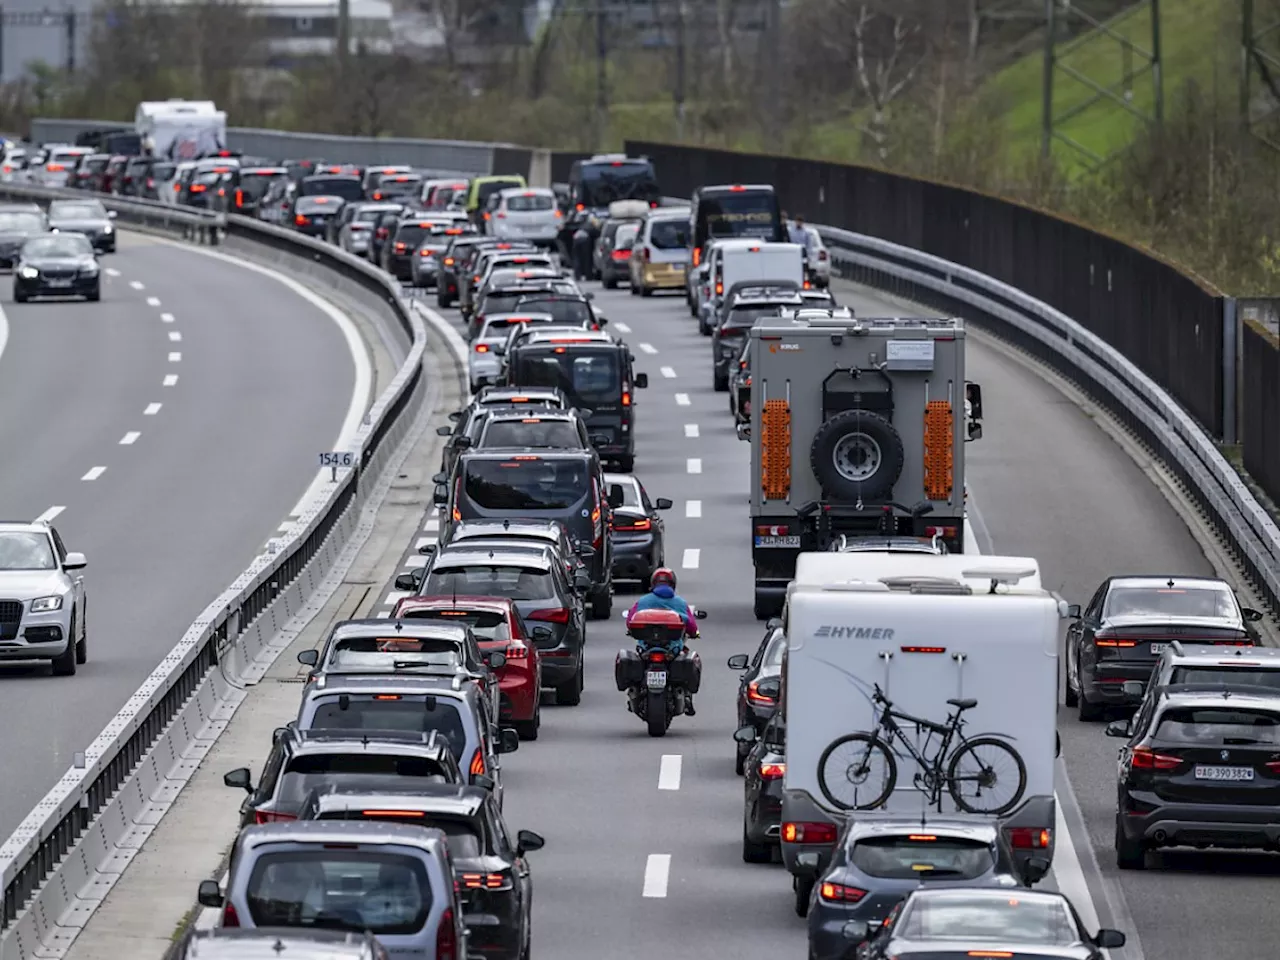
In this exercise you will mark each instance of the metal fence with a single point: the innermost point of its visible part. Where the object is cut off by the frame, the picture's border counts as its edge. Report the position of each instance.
(1260, 405)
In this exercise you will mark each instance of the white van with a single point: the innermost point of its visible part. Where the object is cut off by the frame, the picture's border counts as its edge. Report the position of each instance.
(977, 630)
(734, 261)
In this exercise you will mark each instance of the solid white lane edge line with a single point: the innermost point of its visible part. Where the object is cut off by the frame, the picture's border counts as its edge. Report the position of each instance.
(668, 372)
(682, 399)
(175, 336)
(648, 348)
(136, 285)
(152, 410)
(669, 772)
(432, 525)
(153, 301)
(49, 514)
(166, 318)
(94, 474)
(690, 559)
(622, 328)
(691, 431)
(175, 357)
(394, 597)
(424, 542)
(171, 379)
(657, 869)
(130, 438)
(694, 465)
(693, 509)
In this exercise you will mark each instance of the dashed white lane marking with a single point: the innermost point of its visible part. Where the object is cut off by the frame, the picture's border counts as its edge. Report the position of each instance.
(175, 336)
(432, 525)
(691, 430)
(383, 614)
(412, 563)
(94, 474)
(669, 772)
(394, 597)
(171, 379)
(691, 557)
(682, 399)
(648, 348)
(656, 872)
(175, 357)
(166, 317)
(622, 328)
(49, 514)
(693, 509)
(424, 542)
(152, 410)
(153, 301)
(136, 285)
(668, 372)
(112, 272)
(130, 438)
(694, 465)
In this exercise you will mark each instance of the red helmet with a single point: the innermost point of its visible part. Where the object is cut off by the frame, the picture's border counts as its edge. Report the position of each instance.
(663, 575)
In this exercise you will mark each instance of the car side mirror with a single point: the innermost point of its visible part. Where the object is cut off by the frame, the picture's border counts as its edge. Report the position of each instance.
(1109, 939)
(439, 478)
(642, 381)
(508, 740)
(462, 443)
(662, 503)
(1118, 728)
(1073, 611)
(483, 782)
(745, 734)
(700, 614)
(527, 841)
(496, 660)
(427, 549)
(585, 550)
(582, 581)
(440, 496)
(111, 214)
(444, 431)
(973, 394)
(1133, 688)
(240, 779)
(588, 296)
(209, 894)
(599, 439)
(541, 633)
(456, 415)
(411, 580)
(308, 658)
(74, 561)
(739, 661)
(278, 733)
(856, 931)
(1035, 869)
(1252, 615)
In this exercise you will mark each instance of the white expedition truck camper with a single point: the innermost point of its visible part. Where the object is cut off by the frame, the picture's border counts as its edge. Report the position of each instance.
(937, 636)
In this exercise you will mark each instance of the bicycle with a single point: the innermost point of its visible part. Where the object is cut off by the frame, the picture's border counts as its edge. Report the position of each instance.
(930, 778)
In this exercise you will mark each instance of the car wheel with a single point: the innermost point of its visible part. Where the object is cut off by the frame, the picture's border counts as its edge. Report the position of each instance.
(739, 761)
(602, 604)
(19, 296)
(1088, 712)
(527, 729)
(626, 464)
(1130, 854)
(646, 291)
(569, 693)
(803, 889)
(753, 852)
(608, 281)
(64, 665)
(720, 383)
(82, 645)
(95, 295)
(1069, 696)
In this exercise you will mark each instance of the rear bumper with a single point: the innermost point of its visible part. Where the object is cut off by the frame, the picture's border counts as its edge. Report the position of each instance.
(660, 276)
(634, 559)
(520, 693)
(1210, 824)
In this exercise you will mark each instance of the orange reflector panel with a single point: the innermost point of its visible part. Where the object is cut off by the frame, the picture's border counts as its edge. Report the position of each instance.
(938, 441)
(775, 454)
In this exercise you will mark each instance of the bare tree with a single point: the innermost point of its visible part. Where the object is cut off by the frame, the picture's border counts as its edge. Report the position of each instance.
(886, 54)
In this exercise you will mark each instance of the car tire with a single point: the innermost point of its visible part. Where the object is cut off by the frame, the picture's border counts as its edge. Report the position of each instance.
(607, 281)
(804, 890)
(720, 383)
(64, 665)
(1088, 712)
(764, 607)
(874, 430)
(739, 761)
(753, 852)
(19, 296)
(626, 464)
(95, 296)
(602, 604)
(82, 645)
(646, 291)
(528, 729)
(569, 693)
(1070, 698)
(1130, 854)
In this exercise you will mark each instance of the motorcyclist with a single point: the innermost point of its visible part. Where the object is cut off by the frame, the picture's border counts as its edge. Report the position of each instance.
(662, 595)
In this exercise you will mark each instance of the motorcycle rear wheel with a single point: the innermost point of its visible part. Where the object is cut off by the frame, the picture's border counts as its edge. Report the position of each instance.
(656, 713)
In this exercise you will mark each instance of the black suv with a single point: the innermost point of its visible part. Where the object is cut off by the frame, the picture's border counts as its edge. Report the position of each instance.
(564, 485)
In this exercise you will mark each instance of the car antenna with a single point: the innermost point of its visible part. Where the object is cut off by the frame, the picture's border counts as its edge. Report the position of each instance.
(1170, 583)
(399, 625)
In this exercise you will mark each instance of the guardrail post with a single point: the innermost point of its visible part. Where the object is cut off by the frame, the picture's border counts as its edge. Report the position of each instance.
(1232, 360)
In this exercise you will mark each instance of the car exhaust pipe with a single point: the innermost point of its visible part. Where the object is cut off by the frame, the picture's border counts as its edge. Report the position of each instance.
(1160, 836)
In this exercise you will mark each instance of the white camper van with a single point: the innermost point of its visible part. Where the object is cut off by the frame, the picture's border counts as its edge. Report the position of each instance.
(181, 129)
(970, 635)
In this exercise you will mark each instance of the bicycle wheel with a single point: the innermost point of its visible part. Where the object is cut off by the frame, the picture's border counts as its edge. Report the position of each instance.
(859, 765)
(989, 769)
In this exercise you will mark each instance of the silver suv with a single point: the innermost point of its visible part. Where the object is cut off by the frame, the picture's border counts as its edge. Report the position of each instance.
(389, 879)
(42, 599)
(1229, 668)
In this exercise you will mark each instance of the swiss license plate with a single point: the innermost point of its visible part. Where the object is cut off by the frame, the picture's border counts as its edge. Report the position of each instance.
(1207, 772)
(59, 283)
(655, 679)
(1158, 647)
(778, 541)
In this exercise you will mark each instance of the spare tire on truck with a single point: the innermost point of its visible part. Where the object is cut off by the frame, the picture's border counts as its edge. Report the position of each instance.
(856, 455)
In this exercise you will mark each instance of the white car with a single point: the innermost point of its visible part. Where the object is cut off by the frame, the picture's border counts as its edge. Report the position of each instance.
(485, 362)
(42, 586)
(60, 168)
(525, 213)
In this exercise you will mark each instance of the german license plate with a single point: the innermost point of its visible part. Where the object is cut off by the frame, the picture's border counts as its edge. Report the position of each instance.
(778, 541)
(655, 679)
(1208, 772)
(1158, 647)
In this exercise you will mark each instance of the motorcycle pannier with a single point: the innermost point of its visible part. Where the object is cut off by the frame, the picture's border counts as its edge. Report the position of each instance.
(686, 672)
(628, 670)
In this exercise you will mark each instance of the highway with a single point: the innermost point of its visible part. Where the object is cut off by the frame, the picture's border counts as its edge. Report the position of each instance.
(168, 431)
(636, 868)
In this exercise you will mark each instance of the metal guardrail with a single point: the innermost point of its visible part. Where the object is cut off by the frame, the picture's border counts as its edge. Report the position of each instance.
(58, 857)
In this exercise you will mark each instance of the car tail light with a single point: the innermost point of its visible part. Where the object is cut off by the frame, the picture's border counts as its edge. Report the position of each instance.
(559, 215)
(229, 916)
(150, 183)
(822, 256)
(1273, 766)
(477, 763)
(719, 288)
(448, 261)
(447, 937)
(1029, 838)
(270, 816)
(644, 523)
(697, 256)
(486, 881)
(765, 530)
(301, 220)
(809, 832)
(400, 247)
(755, 695)
(644, 254)
(197, 188)
(177, 187)
(1144, 758)
(1105, 638)
(621, 255)
(377, 196)
(502, 216)
(482, 348)
(381, 233)
(55, 168)
(839, 893)
(239, 198)
(772, 771)
(517, 650)
(551, 615)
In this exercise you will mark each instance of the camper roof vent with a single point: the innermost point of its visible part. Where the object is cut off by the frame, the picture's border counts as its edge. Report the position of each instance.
(926, 584)
(1005, 575)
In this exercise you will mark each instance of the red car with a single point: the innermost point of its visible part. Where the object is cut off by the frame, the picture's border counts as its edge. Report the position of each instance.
(497, 626)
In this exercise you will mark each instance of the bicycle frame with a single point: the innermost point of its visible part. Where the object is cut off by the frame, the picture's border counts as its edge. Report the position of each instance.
(930, 768)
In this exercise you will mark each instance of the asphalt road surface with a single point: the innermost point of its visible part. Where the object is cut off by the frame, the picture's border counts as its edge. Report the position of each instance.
(635, 869)
(169, 430)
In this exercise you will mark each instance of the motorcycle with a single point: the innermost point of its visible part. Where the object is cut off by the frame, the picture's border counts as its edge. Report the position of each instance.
(656, 681)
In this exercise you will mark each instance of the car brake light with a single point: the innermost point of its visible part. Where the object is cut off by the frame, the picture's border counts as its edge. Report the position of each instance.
(269, 816)
(1029, 838)
(197, 188)
(755, 696)
(400, 247)
(623, 254)
(448, 261)
(719, 288)
(626, 398)
(553, 615)
(477, 763)
(177, 187)
(1144, 758)
(737, 188)
(839, 893)
(644, 523)
(55, 168)
(301, 221)
(517, 650)
(765, 530)
(1104, 638)
(772, 771)
(229, 916)
(482, 348)
(809, 832)
(447, 937)
(486, 881)
(239, 198)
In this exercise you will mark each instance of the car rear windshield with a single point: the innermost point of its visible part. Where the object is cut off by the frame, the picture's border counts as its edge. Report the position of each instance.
(254, 183)
(443, 195)
(96, 164)
(492, 580)
(487, 189)
(1216, 725)
(775, 651)
(497, 328)
(532, 432)
(530, 202)
(161, 170)
(603, 183)
(630, 493)
(626, 235)
(462, 837)
(588, 376)
(383, 653)
(1197, 601)
(901, 858)
(383, 892)
(749, 213)
(348, 188)
(744, 318)
(485, 624)
(415, 713)
(399, 185)
(569, 311)
(1011, 919)
(504, 301)
(306, 773)
(669, 235)
(1227, 676)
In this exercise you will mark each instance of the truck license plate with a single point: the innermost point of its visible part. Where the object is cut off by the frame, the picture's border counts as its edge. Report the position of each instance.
(1205, 772)
(656, 679)
(778, 541)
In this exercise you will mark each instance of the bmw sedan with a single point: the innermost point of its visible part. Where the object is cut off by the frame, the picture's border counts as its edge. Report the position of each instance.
(57, 265)
(639, 546)
(89, 217)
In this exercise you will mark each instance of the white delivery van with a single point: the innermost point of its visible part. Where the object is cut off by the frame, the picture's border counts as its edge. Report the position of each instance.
(737, 261)
(970, 629)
